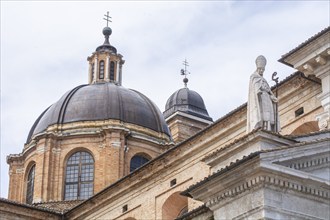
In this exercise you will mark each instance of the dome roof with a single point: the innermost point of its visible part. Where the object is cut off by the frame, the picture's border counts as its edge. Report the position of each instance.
(99, 102)
(188, 101)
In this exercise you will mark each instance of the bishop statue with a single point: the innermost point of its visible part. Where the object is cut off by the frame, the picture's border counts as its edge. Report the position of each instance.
(261, 109)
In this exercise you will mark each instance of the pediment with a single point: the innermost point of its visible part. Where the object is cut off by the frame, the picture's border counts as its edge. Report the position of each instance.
(313, 158)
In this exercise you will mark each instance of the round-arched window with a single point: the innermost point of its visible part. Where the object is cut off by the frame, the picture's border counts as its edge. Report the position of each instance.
(79, 176)
(137, 161)
(112, 71)
(30, 185)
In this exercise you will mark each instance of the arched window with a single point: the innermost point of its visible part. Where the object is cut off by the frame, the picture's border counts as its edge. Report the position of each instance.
(137, 161)
(112, 71)
(30, 185)
(79, 176)
(101, 70)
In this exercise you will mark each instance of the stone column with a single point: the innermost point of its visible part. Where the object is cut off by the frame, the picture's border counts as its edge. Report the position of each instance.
(107, 69)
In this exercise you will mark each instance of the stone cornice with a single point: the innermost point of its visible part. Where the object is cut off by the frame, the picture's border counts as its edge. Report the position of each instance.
(192, 117)
(86, 128)
(296, 151)
(14, 157)
(21, 156)
(267, 181)
(310, 163)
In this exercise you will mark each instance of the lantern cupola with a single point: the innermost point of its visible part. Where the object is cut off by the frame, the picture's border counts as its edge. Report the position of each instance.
(105, 64)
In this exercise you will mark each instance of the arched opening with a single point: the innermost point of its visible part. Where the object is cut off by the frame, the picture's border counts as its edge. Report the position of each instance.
(307, 127)
(79, 176)
(30, 185)
(112, 71)
(138, 160)
(101, 70)
(174, 206)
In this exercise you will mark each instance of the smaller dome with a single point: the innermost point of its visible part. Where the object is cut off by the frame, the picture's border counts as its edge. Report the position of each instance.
(187, 101)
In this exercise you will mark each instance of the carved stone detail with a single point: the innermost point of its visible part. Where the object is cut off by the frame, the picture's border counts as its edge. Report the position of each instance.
(321, 60)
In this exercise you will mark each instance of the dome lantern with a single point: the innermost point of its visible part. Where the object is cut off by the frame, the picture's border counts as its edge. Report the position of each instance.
(105, 64)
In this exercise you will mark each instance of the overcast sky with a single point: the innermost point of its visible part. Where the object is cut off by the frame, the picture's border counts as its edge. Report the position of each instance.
(44, 47)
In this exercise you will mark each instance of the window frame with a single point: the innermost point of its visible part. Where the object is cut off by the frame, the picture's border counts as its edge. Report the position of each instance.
(79, 175)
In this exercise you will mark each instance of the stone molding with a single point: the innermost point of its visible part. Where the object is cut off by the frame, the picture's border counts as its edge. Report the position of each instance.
(266, 181)
(314, 162)
(85, 128)
(183, 114)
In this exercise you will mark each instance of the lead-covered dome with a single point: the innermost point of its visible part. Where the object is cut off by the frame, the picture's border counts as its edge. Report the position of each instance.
(102, 101)
(188, 101)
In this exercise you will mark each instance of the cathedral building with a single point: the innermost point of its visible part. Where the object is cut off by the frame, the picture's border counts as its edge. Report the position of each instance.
(103, 151)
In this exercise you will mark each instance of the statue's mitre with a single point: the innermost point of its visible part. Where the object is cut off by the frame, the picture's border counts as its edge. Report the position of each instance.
(261, 61)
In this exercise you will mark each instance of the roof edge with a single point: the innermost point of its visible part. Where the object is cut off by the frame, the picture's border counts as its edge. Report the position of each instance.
(300, 46)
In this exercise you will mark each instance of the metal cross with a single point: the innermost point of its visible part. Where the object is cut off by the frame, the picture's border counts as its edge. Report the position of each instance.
(184, 71)
(107, 18)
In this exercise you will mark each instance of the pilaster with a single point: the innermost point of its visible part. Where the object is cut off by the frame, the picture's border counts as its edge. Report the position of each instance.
(90, 77)
(16, 180)
(96, 69)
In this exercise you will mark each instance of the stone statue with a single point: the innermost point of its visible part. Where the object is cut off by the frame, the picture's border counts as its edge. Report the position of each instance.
(261, 109)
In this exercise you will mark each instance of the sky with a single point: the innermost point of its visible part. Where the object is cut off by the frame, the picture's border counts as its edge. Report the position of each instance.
(45, 45)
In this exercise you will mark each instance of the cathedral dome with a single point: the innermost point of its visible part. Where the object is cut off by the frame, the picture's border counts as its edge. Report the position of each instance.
(102, 101)
(187, 101)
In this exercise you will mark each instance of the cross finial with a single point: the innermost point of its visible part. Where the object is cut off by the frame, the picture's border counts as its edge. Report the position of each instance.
(107, 18)
(184, 72)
